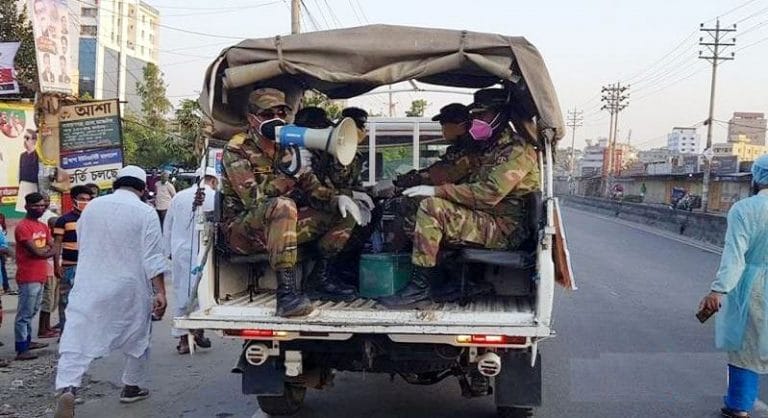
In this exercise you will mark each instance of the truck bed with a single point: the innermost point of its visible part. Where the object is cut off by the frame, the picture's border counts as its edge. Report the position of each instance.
(508, 315)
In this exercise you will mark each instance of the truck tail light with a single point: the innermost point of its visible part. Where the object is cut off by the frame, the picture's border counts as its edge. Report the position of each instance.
(491, 339)
(254, 333)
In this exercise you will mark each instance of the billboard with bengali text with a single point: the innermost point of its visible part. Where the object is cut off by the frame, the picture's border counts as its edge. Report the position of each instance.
(90, 142)
(15, 119)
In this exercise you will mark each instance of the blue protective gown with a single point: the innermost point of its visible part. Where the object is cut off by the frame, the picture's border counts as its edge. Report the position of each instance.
(741, 328)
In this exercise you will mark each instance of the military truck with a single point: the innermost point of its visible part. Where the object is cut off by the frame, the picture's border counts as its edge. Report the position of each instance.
(491, 343)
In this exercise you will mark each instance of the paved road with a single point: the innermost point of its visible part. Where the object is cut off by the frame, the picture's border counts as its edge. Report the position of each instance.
(628, 345)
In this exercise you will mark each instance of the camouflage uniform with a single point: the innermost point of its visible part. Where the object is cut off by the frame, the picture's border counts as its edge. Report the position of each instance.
(454, 167)
(332, 173)
(261, 212)
(487, 211)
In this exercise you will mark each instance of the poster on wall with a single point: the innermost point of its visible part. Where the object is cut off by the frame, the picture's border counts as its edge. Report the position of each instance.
(17, 154)
(90, 142)
(8, 84)
(56, 35)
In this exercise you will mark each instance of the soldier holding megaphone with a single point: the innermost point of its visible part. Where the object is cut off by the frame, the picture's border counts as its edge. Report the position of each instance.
(260, 211)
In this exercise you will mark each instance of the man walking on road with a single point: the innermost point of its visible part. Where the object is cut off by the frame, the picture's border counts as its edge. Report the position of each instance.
(739, 293)
(181, 245)
(119, 285)
(164, 192)
(34, 248)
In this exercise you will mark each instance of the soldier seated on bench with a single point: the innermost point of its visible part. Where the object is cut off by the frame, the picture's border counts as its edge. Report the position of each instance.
(265, 210)
(487, 211)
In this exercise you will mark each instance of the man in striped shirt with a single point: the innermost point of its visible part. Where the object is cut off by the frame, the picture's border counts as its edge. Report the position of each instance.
(65, 247)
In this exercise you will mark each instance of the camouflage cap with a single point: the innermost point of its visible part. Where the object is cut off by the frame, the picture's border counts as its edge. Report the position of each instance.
(266, 98)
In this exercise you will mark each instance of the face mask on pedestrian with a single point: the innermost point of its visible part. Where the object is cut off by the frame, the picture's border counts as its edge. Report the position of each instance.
(482, 130)
(36, 210)
(81, 204)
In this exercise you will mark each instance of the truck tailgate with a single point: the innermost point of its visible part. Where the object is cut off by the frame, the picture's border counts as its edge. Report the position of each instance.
(507, 315)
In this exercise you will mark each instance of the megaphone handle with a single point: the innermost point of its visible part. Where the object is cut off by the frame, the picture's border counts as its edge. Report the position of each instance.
(296, 156)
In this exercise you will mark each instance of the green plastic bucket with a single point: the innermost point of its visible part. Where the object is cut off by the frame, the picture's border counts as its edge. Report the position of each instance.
(383, 274)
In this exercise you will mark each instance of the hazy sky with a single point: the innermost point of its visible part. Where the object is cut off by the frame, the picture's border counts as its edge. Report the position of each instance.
(651, 44)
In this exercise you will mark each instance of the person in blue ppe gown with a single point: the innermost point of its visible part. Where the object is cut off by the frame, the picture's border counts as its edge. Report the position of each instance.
(739, 295)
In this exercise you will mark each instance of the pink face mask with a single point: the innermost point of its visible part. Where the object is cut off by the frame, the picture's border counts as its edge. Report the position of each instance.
(482, 130)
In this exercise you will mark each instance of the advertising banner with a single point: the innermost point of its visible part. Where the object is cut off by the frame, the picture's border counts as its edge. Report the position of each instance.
(90, 142)
(56, 41)
(15, 120)
(8, 84)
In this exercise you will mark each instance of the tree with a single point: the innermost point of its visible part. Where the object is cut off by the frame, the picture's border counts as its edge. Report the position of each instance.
(417, 108)
(189, 126)
(154, 103)
(15, 27)
(147, 139)
(322, 101)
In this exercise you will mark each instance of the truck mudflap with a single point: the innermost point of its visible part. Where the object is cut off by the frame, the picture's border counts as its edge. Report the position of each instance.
(265, 379)
(518, 384)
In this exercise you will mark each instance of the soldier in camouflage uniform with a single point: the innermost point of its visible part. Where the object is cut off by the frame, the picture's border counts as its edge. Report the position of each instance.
(266, 210)
(487, 211)
(454, 167)
(347, 180)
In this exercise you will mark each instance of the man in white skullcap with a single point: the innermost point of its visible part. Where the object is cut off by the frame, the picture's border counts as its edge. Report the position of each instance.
(181, 245)
(119, 285)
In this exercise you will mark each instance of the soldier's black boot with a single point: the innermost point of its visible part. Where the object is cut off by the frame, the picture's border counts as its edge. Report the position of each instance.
(415, 293)
(323, 284)
(290, 302)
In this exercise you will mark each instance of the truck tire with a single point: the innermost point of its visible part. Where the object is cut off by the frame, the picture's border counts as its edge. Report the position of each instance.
(513, 412)
(288, 403)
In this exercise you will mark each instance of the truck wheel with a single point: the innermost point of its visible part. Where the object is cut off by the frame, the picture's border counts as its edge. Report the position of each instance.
(513, 412)
(288, 403)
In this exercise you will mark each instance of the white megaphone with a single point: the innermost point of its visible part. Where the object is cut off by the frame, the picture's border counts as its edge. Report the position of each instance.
(341, 140)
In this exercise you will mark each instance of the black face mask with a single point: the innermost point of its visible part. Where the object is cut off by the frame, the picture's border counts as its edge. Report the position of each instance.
(267, 128)
(755, 188)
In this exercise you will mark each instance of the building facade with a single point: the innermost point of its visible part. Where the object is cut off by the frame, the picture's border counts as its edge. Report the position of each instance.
(747, 127)
(118, 38)
(591, 163)
(683, 141)
(743, 150)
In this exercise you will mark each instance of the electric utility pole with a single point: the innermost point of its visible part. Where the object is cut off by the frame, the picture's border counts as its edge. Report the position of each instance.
(615, 101)
(575, 120)
(715, 44)
(295, 16)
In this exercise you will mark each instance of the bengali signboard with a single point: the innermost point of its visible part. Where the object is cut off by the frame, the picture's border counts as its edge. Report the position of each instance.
(56, 44)
(90, 142)
(8, 83)
(15, 120)
(725, 165)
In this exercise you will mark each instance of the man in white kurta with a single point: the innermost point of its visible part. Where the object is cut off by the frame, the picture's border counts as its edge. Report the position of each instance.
(118, 286)
(182, 246)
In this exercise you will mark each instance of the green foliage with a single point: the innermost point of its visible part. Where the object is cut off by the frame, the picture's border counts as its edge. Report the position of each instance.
(154, 103)
(332, 108)
(417, 108)
(15, 27)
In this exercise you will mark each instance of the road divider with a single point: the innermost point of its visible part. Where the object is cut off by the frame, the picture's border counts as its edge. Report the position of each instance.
(705, 227)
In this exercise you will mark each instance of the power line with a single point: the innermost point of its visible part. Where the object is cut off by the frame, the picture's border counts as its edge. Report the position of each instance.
(333, 14)
(322, 14)
(362, 12)
(354, 11)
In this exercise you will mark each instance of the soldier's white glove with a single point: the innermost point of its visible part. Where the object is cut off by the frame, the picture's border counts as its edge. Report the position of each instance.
(365, 214)
(348, 206)
(416, 191)
(363, 198)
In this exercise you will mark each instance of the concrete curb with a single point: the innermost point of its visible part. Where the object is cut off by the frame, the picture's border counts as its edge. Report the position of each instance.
(705, 228)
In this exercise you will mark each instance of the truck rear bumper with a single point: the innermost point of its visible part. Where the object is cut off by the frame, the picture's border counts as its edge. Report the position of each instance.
(493, 315)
